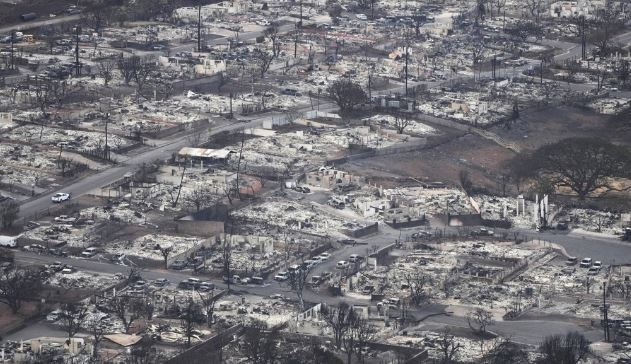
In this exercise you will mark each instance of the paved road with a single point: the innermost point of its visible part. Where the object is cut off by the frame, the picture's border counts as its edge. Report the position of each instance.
(525, 331)
(162, 151)
(607, 250)
(38, 329)
(529, 332)
(40, 23)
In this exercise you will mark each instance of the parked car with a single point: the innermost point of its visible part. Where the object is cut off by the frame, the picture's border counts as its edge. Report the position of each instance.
(65, 219)
(60, 197)
(68, 270)
(347, 241)
(571, 261)
(562, 225)
(56, 266)
(89, 252)
(586, 263)
(140, 284)
(178, 265)
(57, 252)
(342, 264)
(206, 286)
(355, 258)
(324, 256)
(598, 264)
(53, 316)
(308, 264)
(293, 268)
(281, 276)
(291, 92)
(189, 283)
(593, 270)
(117, 257)
(160, 282)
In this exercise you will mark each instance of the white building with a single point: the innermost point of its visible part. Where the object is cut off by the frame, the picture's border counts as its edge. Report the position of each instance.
(210, 67)
(572, 9)
(569, 9)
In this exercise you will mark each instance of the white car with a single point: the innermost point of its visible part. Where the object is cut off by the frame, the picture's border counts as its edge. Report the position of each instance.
(586, 263)
(89, 252)
(281, 277)
(60, 197)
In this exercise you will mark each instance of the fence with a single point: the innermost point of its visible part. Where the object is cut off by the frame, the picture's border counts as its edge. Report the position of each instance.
(198, 84)
(188, 252)
(366, 230)
(408, 223)
(408, 147)
(312, 313)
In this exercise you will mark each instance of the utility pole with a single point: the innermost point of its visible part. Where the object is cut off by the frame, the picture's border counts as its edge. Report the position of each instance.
(231, 95)
(107, 119)
(541, 73)
(300, 22)
(199, 25)
(76, 50)
(406, 69)
(582, 31)
(61, 150)
(605, 312)
(12, 50)
(296, 43)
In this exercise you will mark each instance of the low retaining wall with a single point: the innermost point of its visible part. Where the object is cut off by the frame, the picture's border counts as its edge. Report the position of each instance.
(367, 230)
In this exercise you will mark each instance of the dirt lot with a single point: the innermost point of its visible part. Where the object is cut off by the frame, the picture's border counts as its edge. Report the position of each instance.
(479, 156)
(483, 158)
(552, 124)
(10, 321)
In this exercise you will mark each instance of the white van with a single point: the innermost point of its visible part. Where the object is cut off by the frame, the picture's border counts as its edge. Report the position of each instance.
(8, 241)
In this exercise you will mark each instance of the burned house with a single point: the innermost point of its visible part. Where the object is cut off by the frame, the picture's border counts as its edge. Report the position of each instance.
(328, 178)
(203, 156)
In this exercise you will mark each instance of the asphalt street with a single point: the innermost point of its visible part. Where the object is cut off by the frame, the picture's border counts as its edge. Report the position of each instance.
(523, 331)
(39, 23)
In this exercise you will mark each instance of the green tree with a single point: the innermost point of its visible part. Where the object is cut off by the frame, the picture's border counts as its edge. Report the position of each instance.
(347, 94)
(9, 210)
(584, 165)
